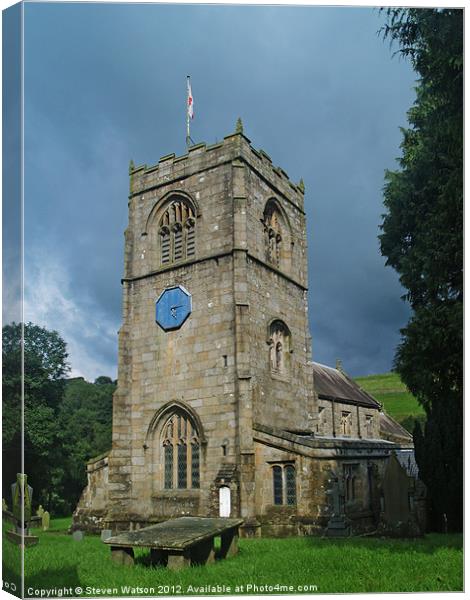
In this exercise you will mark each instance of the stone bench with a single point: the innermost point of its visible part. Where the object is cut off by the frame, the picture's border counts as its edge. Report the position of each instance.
(178, 543)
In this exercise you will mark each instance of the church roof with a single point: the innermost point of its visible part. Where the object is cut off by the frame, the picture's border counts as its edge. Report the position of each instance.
(332, 384)
(393, 431)
(408, 461)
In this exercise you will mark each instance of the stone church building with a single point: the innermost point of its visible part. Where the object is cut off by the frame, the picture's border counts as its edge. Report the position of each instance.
(219, 408)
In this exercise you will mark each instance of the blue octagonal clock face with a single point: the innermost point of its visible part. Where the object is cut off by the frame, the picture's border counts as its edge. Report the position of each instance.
(173, 307)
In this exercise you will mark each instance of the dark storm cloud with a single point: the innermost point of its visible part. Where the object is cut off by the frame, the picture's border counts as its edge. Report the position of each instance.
(316, 88)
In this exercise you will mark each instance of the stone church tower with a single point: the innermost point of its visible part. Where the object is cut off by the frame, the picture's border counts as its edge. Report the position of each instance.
(216, 412)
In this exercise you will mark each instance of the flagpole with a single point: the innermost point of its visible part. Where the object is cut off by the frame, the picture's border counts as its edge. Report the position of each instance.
(188, 136)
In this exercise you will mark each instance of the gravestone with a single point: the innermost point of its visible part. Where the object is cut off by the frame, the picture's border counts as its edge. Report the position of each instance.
(77, 536)
(40, 511)
(337, 526)
(22, 495)
(4, 504)
(179, 542)
(105, 534)
(45, 520)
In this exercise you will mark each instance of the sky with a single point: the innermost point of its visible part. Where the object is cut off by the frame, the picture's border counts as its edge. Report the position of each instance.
(317, 88)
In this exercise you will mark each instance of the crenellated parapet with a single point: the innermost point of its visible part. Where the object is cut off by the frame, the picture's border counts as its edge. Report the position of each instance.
(202, 157)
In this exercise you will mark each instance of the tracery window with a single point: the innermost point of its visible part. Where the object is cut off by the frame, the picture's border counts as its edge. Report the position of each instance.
(291, 496)
(279, 347)
(180, 443)
(273, 234)
(177, 232)
(277, 484)
(284, 485)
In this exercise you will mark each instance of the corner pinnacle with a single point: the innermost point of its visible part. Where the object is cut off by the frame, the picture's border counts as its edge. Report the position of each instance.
(131, 166)
(239, 126)
(301, 185)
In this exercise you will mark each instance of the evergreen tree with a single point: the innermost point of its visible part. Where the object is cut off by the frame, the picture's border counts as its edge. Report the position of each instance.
(423, 240)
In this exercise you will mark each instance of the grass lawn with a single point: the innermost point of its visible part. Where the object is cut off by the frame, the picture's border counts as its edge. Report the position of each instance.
(398, 402)
(433, 563)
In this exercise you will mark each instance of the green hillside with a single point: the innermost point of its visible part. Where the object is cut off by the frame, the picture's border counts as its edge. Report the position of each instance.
(397, 401)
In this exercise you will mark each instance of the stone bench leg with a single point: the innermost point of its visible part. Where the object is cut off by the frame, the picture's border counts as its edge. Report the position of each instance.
(178, 560)
(158, 557)
(122, 556)
(229, 545)
(203, 553)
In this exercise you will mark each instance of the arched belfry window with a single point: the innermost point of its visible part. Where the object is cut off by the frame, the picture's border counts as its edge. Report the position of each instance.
(279, 343)
(180, 452)
(276, 236)
(177, 231)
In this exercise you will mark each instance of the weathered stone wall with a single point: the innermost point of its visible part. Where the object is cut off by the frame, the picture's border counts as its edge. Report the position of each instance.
(281, 400)
(279, 520)
(314, 477)
(265, 184)
(277, 293)
(92, 506)
(186, 365)
(209, 191)
(359, 415)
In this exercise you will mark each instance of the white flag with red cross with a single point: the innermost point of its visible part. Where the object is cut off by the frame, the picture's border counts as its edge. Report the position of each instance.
(190, 101)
